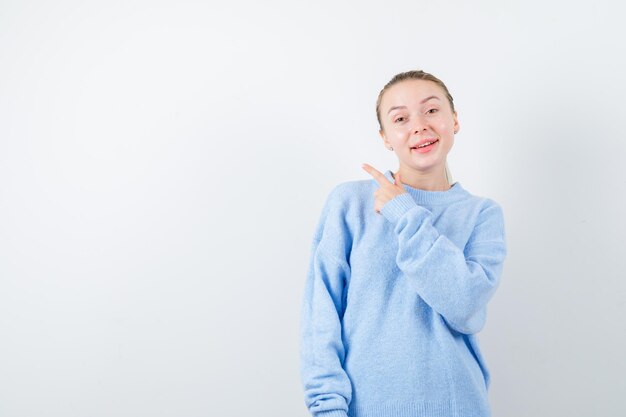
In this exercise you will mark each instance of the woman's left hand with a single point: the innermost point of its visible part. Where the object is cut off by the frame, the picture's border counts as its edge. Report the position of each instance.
(387, 189)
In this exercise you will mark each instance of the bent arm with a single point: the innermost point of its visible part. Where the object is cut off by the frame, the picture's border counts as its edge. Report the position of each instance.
(456, 283)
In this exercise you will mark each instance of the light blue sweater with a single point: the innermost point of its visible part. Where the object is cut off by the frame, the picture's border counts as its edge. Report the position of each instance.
(393, 301)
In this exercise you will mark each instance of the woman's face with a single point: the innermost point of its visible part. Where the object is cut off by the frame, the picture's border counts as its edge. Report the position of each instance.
(412, 113)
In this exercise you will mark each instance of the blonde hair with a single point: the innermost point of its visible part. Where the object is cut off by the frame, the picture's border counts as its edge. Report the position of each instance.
(448, 174)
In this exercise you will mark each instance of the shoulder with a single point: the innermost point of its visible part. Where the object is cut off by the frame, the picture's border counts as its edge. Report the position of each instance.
(485, 214)
(491, 209)
(341, 209)
(484, 205)
(489, 221)
(349, 194)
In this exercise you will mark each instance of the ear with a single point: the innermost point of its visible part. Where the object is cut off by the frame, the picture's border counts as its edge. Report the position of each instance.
(457, 126)
(384, 138)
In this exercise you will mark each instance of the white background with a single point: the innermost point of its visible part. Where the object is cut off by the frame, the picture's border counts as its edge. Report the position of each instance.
(163, 165)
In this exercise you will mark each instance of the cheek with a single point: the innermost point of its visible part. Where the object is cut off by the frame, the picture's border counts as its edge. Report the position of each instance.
(401, 132)
(394, 135)
(446, 127)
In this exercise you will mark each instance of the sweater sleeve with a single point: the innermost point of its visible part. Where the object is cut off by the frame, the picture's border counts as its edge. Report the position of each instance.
(327, 387)
(456, 283)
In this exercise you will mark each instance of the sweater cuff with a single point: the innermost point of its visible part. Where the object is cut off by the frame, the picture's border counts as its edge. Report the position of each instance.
(332, 413)
(397, 206)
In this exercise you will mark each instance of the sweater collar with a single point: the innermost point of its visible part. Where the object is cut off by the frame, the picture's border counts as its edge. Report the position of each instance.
(455, 193)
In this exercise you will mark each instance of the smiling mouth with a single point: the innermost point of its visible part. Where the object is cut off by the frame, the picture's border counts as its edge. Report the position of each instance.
(426, 145)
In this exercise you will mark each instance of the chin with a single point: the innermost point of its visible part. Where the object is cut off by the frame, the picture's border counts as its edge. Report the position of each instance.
(425, 166)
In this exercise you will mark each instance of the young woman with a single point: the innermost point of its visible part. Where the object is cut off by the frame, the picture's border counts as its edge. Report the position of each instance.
(402, 267)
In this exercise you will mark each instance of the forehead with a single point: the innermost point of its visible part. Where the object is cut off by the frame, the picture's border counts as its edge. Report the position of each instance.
(409, 92)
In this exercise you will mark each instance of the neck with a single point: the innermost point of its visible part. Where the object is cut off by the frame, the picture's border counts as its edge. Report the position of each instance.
(426, 181)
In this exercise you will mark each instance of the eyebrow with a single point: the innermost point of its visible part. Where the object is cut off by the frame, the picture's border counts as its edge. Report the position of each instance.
(404, 107)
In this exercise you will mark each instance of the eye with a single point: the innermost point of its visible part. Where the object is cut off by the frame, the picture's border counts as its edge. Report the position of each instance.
(398, 119)
(433, 110)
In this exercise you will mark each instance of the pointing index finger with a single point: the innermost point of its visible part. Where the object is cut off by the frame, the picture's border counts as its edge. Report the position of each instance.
(378, 176)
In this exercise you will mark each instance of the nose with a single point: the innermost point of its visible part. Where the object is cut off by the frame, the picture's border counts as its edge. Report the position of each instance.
(419, 125)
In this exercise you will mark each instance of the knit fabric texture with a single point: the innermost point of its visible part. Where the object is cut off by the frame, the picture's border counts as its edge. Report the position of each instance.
(393, 301)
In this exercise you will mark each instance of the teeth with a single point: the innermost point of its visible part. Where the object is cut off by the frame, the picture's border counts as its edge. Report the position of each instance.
(426, 144)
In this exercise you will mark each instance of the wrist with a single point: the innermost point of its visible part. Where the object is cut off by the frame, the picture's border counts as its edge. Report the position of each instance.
(397, 206)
